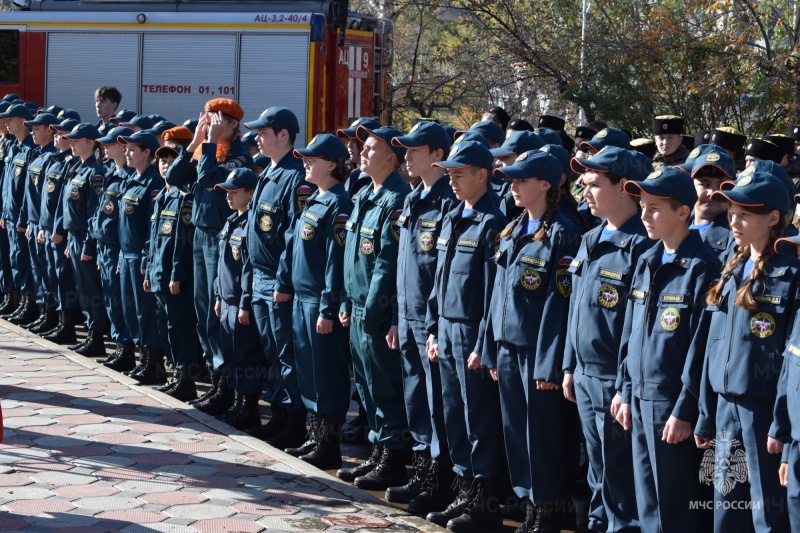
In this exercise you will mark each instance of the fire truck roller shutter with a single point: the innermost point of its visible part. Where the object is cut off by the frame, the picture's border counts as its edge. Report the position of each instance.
(275, 72)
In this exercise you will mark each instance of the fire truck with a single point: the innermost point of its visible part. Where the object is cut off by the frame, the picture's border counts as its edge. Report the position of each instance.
(326, 64)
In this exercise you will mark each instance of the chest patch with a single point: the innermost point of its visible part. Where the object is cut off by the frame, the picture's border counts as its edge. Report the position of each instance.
(128, 208)
(762, 325)
(108, 207)
(366, 246)
(166, 227)
(608, 296)
(265, 223)
(307, 233)
(670, 319)
(51, 186)
(236, 253)
(75, 194)
(531, 279)
(426, 241)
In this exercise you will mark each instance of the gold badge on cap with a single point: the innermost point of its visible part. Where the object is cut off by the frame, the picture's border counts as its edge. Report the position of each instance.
(313, 140)
(694, 153)
(748, 170)
(231, 175)
(76, 128)
(454, 149)
(654, 175)
(415, 128)
(602, 134)
(712, 157)
(522, 157)
(744, 181)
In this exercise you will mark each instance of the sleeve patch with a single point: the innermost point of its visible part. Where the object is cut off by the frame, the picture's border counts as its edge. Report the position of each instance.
(236, 162)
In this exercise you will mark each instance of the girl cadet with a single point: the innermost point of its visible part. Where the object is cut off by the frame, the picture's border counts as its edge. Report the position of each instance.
(532, 286)
(105, 227)
(457, 310)
(753, 308)
(169, 276)
(314, 262)
(139, 307)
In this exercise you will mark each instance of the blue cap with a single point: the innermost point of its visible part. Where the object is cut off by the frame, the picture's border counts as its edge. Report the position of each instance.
(518, 142)
(18, 111)
(324, 145)
(474, 136)
(123, 115)
(160, 127)
(240, 178)
(84, 130)
(488, 129)
(666, 182)
(756, 189)
(191, 124)
(425, 133)
(386, 134)
(350, 133)
(628, 164)
(607, 137)
(33, 106)
(68, 113)
(42, 119)
(561, 154)
(157, 118)
(65, 125)
(143, 139)
(167, 151)
(549, 136)
(468, 153)
(279, 118)
(143, 122)
(533, 164)
(776, 170)
(709, 155)
(10, 97)
(112, 136)
(53, 110)
(3, 106)
(260, 160)
(249, 139)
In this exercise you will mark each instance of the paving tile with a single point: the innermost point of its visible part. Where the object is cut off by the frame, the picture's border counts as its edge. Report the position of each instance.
(226, 525)
(251, 494)
(14, 480)
(38, 431)
(119, 438)
(114, 410)
(200, 511)
(356, 520)
(16, 442)
(24, 493)
(26, 421)
(58, 411)
(217, 482)
(10, 523)
(58, 441)
(86, 491)
(162, 459)
(242, 470)
(195, 448)
(72, 520)
(174, 498)
(82, 419)
(33, 507)
(123, 474)
(298, 494)
(158, 527)
(84, 451)
(147, 486)
(31, 465)
(62, 478)
(18, 412)
(142, 447)
(140, 400)
(152, 428)
(186, 470)
(260, 457)
(107, 503)
(99, 429)
(136, 516)
(268, 508)
(103, 461)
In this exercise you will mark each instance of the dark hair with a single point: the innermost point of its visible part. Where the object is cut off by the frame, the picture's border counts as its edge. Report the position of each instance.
(710, 171)
(744, 296)
(341, 171)
(292, 136)
(613, 178)
(109, 92)
(597, 125)
(547, 219)
(499, 115)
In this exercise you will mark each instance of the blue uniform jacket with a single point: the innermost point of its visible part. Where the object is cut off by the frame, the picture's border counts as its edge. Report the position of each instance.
(465, 267)
(170, 255)
(137, 207)
(313, 262)
(663, 341)
(786, 420)
(281, 193)
(234, 281)
(33, 188)
(744, 354)
(15, 176)
(601, 279)
(210, 206)
(420, 225)
(55, 176)
(370, 253)
(719, 237)
(79, 201)
(530, 299)
(105, 222)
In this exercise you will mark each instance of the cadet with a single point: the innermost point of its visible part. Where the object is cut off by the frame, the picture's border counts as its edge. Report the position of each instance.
(753, 308)
(105, 228)
(370, 279)
(10, 295)
(43, 138)
(533, 286)
(606, 137)
(662, 350)
(139, 307)
(357, 180)
(106, 101)
(214, 151)
(169, 276)
(762, 150)
(602, 272)
(488, 130)
(314, 268)
(18, 156)
(80, 198)
(242, 355)
(456, 321)
(668, 133)
(420, 223)
(732, 141)
(517, 143)
(281, 192)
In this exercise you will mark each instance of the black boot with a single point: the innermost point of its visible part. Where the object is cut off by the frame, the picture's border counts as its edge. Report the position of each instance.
(390, 472)
(409, 491)
(456, 507)
(482, 511)
(327, 453)
(248, 416)
(16, 309)
(311, 439)
(94, 345)
(9, 304)
(49, 322)
(438, 489)
(276, 423)
(238, 400)
(144, 355)
(184, 387)
(116, 354)
(154, 373)
(294, 431)
(350, 474)
(220, 401)
(214, 384)
(40, 316)
(530, 517)
(64, 333)
(28, 314)
(125, 361)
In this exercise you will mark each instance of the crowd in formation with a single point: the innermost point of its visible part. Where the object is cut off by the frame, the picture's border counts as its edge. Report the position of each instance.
(600, 326)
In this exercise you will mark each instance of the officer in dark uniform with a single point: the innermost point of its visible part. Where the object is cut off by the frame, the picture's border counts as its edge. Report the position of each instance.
(668, 133)
(582, 134)
(732, 141)
(762, 150)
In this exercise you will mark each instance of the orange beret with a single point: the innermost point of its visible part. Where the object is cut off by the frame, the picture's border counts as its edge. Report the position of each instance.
(179, 133)
(227, 106)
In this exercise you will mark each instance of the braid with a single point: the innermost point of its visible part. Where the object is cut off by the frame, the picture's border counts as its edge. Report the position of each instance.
(714, 294)
(744, 296)
(547, 220)
(510, 228)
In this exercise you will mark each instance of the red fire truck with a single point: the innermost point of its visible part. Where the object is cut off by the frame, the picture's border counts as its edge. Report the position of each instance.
(170, 57)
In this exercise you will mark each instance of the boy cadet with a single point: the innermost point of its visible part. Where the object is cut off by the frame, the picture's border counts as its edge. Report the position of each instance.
(606, 137)
(370, 282)
(668, 133)
(488, 129)
(423, 210)
(281, 192)
(762, 150)
(106, 101)
(602, 273)
(18, 156)
(662, 350)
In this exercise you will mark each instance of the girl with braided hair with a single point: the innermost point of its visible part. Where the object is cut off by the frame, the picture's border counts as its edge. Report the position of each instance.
(525, 334)
(753, 307)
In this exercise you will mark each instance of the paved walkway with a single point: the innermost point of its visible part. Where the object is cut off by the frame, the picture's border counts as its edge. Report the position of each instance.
(87, 450)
